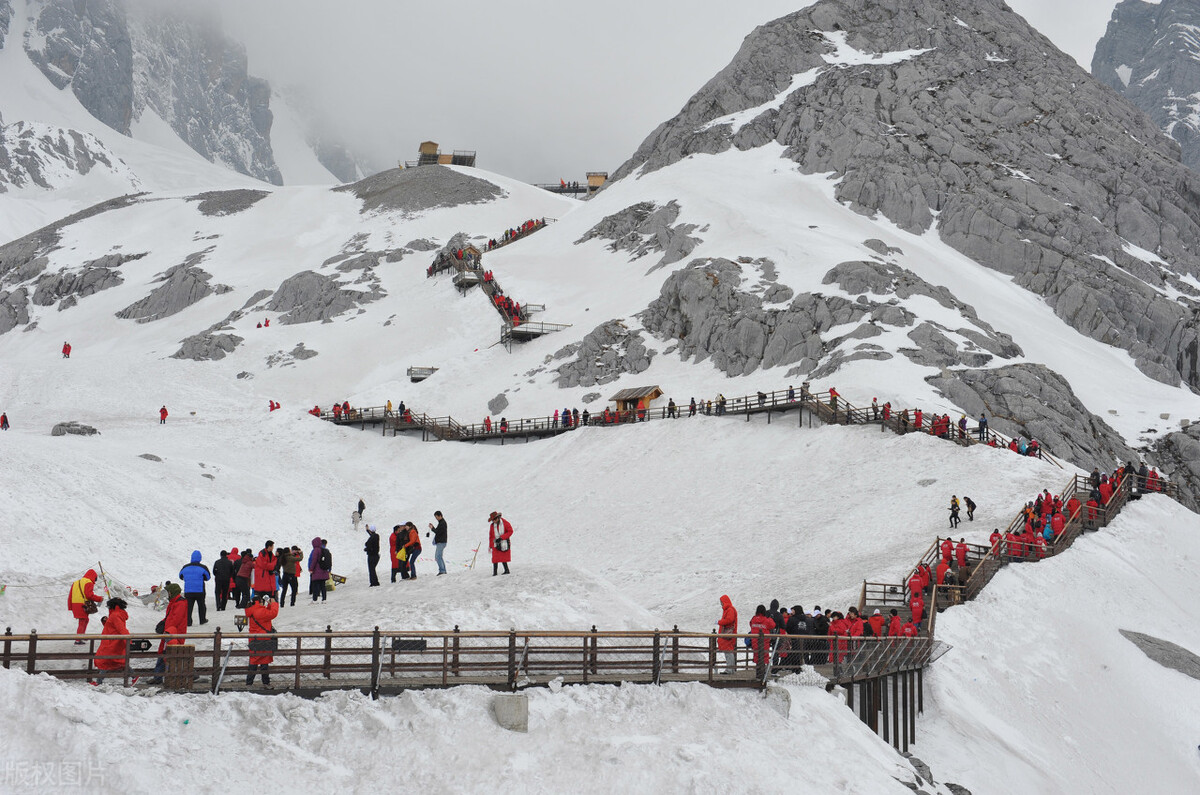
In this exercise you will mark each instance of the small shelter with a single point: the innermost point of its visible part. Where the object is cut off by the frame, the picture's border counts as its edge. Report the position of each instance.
(596, 180)
(635, 398)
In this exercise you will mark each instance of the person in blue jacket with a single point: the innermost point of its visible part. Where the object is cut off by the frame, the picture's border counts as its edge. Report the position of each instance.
(194, 575)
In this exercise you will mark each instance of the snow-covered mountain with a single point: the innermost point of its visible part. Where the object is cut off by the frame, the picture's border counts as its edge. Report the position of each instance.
(923, 202)
(155, 77)
(1150, 54)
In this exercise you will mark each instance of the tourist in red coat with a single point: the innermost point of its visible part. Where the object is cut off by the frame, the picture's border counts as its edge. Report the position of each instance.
(839, 627)
(917, 606)
(264, 571)
(894, 624)
(499, 533)
(174, 623)
(162, 416)
(762, 624)
(909, 630)
(1072, 508)
(1106, 491)
(994, 542)
(947, 549)
(82, 592)
(262, 645)
(110, 656)
(727, 624)
(960, 552)
(943, 567)
(1058, 523)
(878, 623)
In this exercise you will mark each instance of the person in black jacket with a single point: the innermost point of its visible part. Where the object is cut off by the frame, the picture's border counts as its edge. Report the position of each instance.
(242, 572)
(818, 625)
(372, 550)
(797, 625)
(223, 573)
(439, 541)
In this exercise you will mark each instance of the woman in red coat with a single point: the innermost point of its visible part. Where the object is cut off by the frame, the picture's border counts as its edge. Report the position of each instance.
(727, 625)
(264, 571)
(174, 623)
(111, 654)
(82, 592)
(262, 642)
(761, 625)
(499, 533)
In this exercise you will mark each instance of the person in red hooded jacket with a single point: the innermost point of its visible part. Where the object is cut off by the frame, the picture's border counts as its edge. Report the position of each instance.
(947, 549)
(499, 533)
(909, 630)
(727, 624)
(162, 416)
(110, 656)
(917, 606)
(839, 628)
(894, 624)
(259, 615)
(1058, 523)
(960, 552)
(878, 623)
(264, 571)
(994, 541)
(82, 595)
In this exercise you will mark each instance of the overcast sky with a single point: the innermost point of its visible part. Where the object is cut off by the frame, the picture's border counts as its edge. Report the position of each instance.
(542, 89)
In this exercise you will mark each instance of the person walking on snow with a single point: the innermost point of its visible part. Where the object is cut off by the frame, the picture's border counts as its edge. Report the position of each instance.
(439, 541)
(4, 421)
(727, 625)
(82, 601)
(162, 416)
(372, 550)
(396, 543)
(412, 549)
(499, 533)
(970, 508)
(194, 575)
(66, 350)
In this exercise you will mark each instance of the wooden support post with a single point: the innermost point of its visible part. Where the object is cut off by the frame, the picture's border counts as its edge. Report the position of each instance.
(327, 665)
(454, 658)
(896, 712)
(850, 696)
(912, 711)
(904, 714)
(375, 657)
(873, 712)
(593, 654)
(712, 657)
(675, 650)
(512, 659)
(7, 646)
(445, 660)
(216, 656)
(921, 690)
(883, 705)
(656, 665)
(585, 660)
(31, 663)
(297, 679)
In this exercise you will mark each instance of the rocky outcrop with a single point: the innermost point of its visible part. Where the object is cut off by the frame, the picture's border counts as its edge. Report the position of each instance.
(1150, 54)
(208, 345)
(14, 309)
(497, 404)
(1032, 400)
(415, 190)
(289, 358)
(49, 157)
(644, 228)
(604, 355)
(5, 17)
(86, 46)
(220, 203)
(309, 297)
(73, 428)
(1165, 653)
(957, 116)
(68, 286)
(1177, 455)
(181, 287)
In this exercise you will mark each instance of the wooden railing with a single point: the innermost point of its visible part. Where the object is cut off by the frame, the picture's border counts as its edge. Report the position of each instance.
(399, 659)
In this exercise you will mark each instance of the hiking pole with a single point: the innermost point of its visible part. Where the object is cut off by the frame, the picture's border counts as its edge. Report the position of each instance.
(221, 678)
(105, 577)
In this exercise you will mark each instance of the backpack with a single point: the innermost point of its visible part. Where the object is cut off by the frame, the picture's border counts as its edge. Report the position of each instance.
(326, 561)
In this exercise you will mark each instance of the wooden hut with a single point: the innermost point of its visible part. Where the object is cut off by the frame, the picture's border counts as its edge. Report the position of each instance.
(596, 180)
(635, 398)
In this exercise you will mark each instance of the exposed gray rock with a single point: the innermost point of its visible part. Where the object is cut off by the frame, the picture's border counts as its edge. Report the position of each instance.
(258, 297)
(644, 228)
(1034, 401)
(956, 789)
(86, 46)
(881, 248)
(1151, 56)
(308, 297)
(497, 404)
(210, 345)
(1032, 168)
(590, 397)
(415, 190)
(1165, 653)
(1177, 455)
(74, 429)
(289, 358)
(227, 202)
(150, 457)
(604, 355)
(5, 16)
(37, 155)
(14, 309)
(421, 244)
(95, 275)
(181, 287)
(300, 352)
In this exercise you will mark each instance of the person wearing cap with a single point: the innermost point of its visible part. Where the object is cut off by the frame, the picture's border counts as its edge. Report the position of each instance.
(174, 623)
(372, 550)
(877, 623)
(259, 615)
(500, 531)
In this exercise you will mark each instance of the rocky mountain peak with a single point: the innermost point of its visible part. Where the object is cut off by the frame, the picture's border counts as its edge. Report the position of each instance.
(957, 116)
(1151, 55)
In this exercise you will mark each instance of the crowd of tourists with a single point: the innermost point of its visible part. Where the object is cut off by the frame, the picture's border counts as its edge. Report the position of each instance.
(516, 233)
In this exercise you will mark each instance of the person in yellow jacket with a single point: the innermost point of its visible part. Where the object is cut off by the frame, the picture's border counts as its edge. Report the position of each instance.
(82, 601)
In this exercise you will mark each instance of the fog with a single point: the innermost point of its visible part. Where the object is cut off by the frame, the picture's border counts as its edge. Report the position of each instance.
(542, 89)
